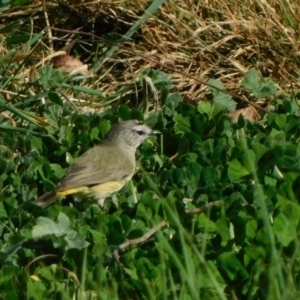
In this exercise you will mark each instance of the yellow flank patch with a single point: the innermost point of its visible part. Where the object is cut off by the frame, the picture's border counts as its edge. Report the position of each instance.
(104, 190)
(100, 191)
(80, 190)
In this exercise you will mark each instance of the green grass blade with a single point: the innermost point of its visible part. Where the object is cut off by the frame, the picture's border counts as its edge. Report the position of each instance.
(147, 14)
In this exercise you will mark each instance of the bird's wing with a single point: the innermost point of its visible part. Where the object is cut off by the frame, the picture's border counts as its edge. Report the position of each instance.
(92, 168)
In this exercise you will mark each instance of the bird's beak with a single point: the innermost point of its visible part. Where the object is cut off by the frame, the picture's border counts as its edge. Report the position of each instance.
(154, 132)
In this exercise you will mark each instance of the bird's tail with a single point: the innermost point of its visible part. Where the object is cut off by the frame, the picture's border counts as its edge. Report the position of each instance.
(47, 199)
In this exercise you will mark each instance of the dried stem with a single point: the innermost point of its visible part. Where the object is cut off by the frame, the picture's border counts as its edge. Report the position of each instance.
(157, 227)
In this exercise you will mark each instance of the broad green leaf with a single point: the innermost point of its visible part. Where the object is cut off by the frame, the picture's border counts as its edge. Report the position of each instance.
(249, 161)
(126, 222)
(193, 171)
(35, 289)
(76, 242)
(36, 143)
(259, 150)
(104, 128)
(124, 112)
(58, 170)
(221, 98)
(267, 88)
(205, 107)
(232, 266)
(95, 134)
(284, 229)
(260, 88)
(98, 236)
(69, 158)
(205, 224)
(270, 181)
(143, 212)
(208, 175)
(222, 228)
(182, 124)
(50, 78)
(171, 103)
(236, 171)
(131, 273)
(45, 226)
(3, 213)
(55, 98)
(251, 80)
(280, 120)
(292, 212)
(251, 228)
(254, 253)
(63, 222)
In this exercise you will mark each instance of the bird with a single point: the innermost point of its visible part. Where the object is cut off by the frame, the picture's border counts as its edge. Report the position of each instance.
(105, 168)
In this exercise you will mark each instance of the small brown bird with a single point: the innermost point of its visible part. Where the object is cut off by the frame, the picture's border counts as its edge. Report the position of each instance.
(105, 168)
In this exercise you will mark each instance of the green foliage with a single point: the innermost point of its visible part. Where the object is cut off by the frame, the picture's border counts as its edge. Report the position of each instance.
(61, 229)
(219, 97)
(4, 5)
(260, 88)
(247, 247)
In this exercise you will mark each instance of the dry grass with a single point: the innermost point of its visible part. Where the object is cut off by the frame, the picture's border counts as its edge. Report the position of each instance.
(188, 40)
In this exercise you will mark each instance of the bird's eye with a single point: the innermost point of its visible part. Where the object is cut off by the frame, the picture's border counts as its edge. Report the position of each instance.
(139, 132)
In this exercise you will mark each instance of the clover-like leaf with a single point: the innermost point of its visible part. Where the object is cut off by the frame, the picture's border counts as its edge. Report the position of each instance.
(220, 97)
(236, 171)
(45, 226)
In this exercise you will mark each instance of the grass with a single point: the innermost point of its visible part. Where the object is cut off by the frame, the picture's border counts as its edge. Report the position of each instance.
(221, 39)
(120, 41)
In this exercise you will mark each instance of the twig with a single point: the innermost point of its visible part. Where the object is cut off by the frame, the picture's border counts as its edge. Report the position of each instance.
(67, 98)
(50, 36)
(157, 227)
(199, 210)
(49, 57)
(12, 93)
(137, 241)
